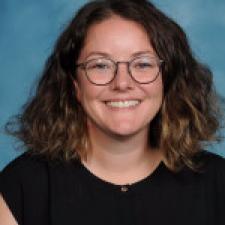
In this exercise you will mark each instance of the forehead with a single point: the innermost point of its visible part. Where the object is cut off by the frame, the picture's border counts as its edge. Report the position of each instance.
(116, 35)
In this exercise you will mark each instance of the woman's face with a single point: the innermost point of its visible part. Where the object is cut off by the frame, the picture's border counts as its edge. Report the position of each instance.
(123, 107)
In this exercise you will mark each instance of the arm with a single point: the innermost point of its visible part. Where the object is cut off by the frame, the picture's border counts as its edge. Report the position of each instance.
(6, 217)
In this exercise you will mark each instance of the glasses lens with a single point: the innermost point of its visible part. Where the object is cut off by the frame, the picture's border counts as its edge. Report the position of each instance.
(144, 69)
(100, 71)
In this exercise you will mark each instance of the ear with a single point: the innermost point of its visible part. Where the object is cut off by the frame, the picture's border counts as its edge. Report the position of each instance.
(77, 90)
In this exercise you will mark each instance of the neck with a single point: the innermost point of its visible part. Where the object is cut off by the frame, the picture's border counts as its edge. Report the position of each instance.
(109, 156)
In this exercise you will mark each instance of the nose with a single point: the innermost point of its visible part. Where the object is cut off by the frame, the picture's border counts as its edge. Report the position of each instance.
(122, 80)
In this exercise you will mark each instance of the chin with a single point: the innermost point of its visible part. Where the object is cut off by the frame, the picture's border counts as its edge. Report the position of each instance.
(126, 132)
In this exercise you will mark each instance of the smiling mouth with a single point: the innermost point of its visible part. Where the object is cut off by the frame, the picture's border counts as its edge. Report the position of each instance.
(123, 104)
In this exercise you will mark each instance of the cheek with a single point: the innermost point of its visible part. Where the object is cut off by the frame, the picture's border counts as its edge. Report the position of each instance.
(155, 89)
(159, 89)
(83, 90)
(86, 93)
(77, 91)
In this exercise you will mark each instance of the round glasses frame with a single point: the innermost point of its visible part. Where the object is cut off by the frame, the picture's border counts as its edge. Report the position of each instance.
(128, 63)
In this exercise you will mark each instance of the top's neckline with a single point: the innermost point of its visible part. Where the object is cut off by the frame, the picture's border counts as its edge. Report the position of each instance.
(102, 184)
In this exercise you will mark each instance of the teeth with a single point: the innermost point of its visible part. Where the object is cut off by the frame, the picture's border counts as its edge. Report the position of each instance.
(123, 104)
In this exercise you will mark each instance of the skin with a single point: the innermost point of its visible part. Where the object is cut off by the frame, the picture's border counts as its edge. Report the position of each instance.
(119, 153)
(6, 216)
(119, 136)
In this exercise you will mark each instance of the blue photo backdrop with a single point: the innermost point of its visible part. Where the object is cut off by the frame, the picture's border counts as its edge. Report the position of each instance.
(29, 28)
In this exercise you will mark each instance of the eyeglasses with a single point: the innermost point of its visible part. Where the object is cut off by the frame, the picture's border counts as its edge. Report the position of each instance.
(102, 71)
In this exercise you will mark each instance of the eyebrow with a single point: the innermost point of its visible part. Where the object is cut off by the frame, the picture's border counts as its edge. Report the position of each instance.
(97, 53)
(143, 53)
(104, 54)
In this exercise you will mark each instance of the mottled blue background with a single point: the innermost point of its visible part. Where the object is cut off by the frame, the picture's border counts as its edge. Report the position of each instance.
(28, 29)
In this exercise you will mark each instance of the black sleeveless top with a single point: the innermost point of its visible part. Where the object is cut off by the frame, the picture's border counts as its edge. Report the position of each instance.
(42, 192)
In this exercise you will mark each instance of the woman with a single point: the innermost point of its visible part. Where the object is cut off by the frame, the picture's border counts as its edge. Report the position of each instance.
(115, 132)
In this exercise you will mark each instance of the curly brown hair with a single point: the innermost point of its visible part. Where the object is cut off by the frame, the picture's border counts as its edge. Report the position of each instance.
(54, 123)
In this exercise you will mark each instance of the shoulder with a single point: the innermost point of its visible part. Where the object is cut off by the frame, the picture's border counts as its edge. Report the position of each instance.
(34, 168)
(31, 174)
(22, 171)
(216, 168)
(24, 179)
(215, 181)
(25, 165)
(212, 162)
(212, 172)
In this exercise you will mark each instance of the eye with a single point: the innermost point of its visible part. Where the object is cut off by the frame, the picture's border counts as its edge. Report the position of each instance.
(97, 66)
(143, 65)
(102, 66)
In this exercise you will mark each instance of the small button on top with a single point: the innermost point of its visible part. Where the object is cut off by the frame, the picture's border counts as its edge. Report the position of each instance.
(124, 188)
